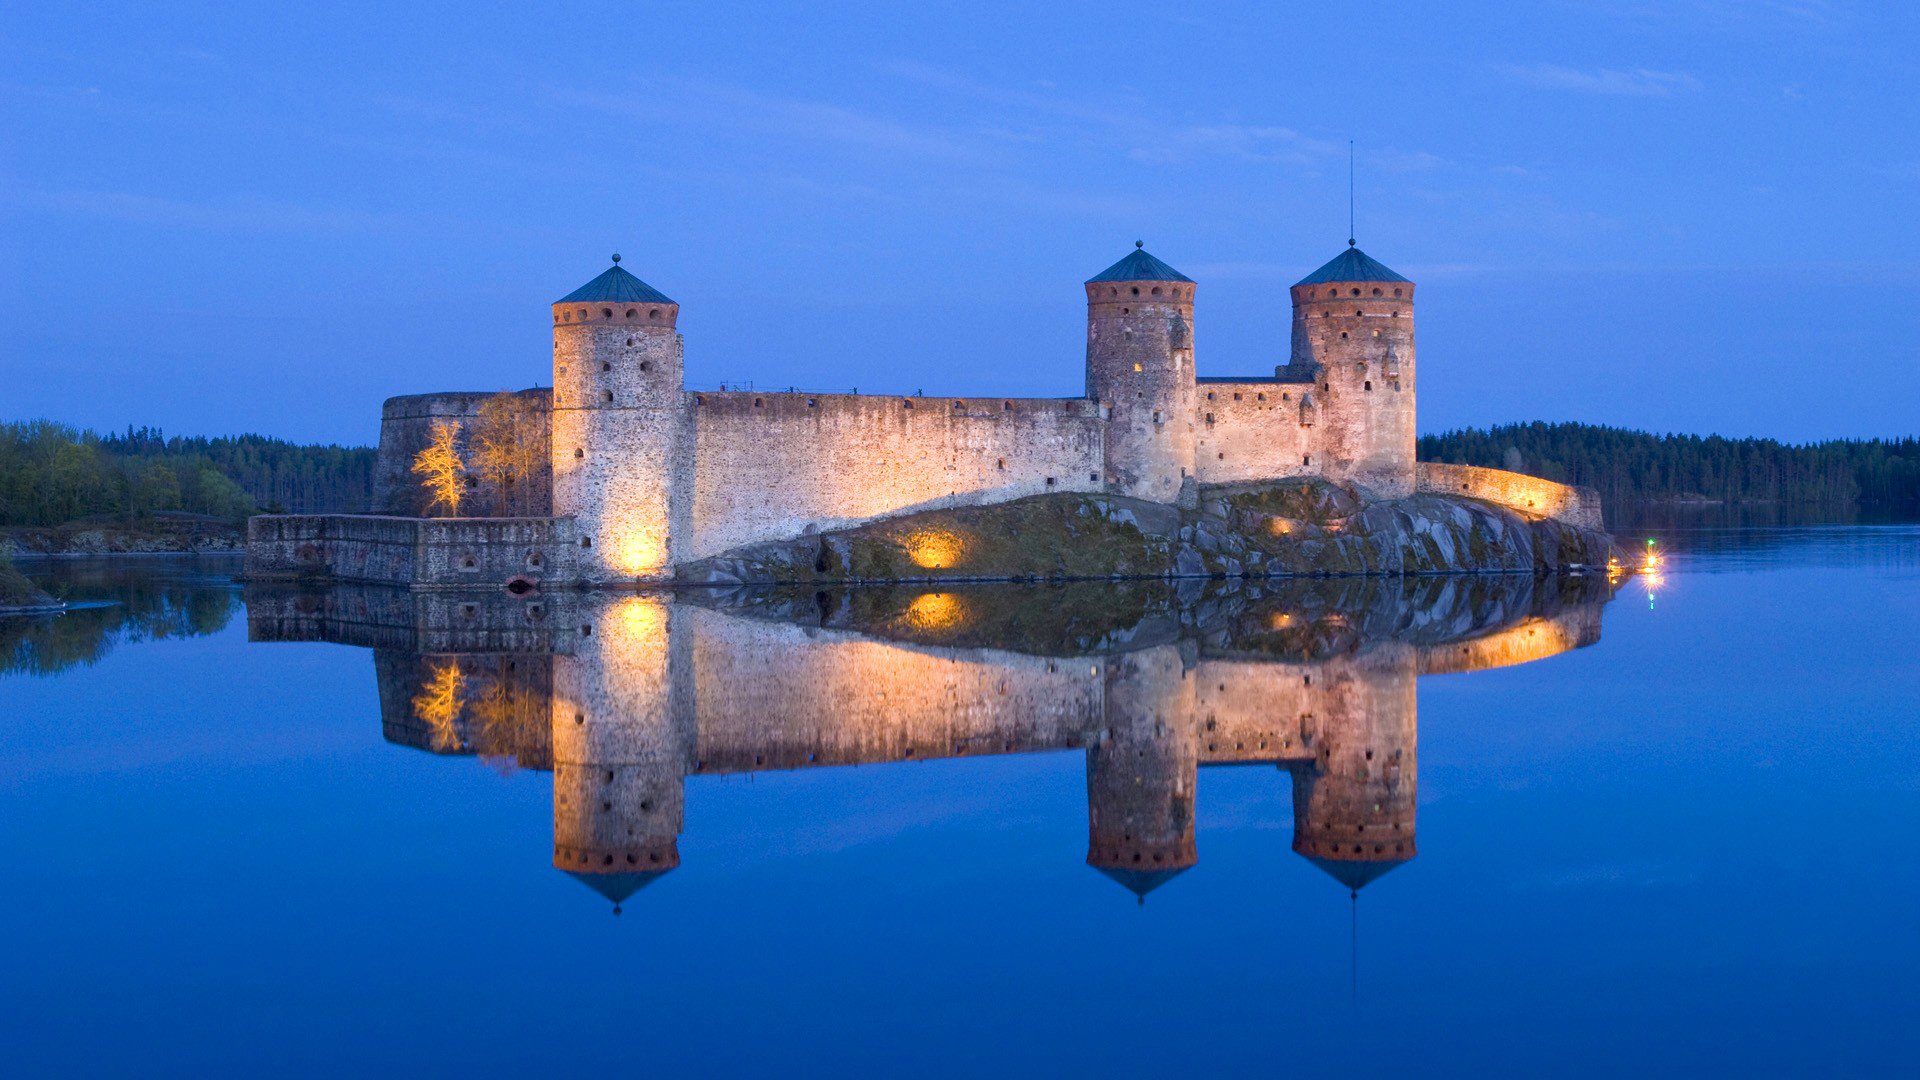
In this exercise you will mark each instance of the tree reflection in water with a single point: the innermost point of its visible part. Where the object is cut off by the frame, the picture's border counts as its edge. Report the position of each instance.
(121, 601)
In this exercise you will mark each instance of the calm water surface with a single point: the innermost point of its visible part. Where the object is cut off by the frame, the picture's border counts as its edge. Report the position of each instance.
(1442, 828)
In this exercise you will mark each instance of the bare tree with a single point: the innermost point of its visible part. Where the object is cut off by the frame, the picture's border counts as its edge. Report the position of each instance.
(440, 467)
(508, 448)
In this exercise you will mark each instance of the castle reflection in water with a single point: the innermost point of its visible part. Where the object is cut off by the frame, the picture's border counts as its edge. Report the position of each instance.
(623, 697)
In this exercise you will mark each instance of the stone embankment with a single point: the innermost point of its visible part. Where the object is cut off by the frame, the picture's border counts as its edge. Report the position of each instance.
(1286, 528)
(160, 536)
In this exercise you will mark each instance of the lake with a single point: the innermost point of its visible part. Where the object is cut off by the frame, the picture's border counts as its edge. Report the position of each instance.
(1461, 826)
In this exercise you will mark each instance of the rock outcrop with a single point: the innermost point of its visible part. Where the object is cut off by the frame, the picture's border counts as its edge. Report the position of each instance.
(1286, 528)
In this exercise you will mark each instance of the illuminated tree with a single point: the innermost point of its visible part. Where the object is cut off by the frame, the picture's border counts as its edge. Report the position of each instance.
(439, 703)
(440, 467)
(507, 449)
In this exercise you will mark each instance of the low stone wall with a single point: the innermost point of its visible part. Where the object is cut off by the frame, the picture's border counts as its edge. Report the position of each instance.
(1526, 495)
(419, 553)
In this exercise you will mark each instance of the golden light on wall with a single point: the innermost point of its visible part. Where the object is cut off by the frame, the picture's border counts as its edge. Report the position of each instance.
(1279, 526)
(934, 550)
(638, 552)
(1279, 620)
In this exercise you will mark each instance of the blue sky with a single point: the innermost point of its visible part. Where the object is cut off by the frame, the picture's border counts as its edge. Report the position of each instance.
(1689, 215)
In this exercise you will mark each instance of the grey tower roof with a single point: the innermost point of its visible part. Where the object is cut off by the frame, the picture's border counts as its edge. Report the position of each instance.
(1350, 265)
(1355, 873)
(1139, 266)
(615, 286)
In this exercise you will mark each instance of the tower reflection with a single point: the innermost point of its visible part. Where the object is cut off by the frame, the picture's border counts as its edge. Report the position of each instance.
(625, 697)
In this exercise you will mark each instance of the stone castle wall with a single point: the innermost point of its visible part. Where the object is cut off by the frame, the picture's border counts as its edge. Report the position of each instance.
(422, 553)
(1529, 496)
(406, 424)
(1252, 430)
(772, 466)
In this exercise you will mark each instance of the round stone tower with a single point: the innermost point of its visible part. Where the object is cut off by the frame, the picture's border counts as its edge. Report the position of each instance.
(1353, 804)
(1353, 322)
(621, 742)
(1140, 366)
(618, 427)
(1141, 772)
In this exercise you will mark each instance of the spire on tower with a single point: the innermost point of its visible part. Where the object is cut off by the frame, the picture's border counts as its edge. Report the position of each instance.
(1348, 193)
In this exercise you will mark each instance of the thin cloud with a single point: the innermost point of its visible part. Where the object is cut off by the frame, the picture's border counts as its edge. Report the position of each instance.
(1150, 136)
(247, 215)
(1638, 82)
(1243, 141)
(739, 108)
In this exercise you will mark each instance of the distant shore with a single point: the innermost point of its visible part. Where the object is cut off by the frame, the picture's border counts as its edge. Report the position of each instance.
(158, 536)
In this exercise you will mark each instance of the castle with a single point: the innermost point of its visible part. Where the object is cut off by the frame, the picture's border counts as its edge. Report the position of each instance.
(647, 477)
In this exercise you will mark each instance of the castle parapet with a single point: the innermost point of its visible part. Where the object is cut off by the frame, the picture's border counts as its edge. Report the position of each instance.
(420, 553)
(1528, 496)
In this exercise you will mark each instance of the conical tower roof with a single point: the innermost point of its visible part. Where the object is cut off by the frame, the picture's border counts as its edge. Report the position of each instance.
(1355, 873)
(1141, 882)
(1351, 265)
(615, 286)
(616, 887)
(1139, 266)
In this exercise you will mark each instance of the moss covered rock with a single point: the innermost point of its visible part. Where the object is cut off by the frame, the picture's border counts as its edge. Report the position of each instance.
(1286, 528)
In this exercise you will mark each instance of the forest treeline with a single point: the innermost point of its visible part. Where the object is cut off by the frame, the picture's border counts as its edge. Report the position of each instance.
(1874, 474)
(51, 474)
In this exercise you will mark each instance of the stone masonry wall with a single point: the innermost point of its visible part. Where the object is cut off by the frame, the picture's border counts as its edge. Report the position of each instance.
(1529, 496)
(618, 440)
(1251, 431)
(772, 466)
(1357, 339)
(421, 553)
(406, 423)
